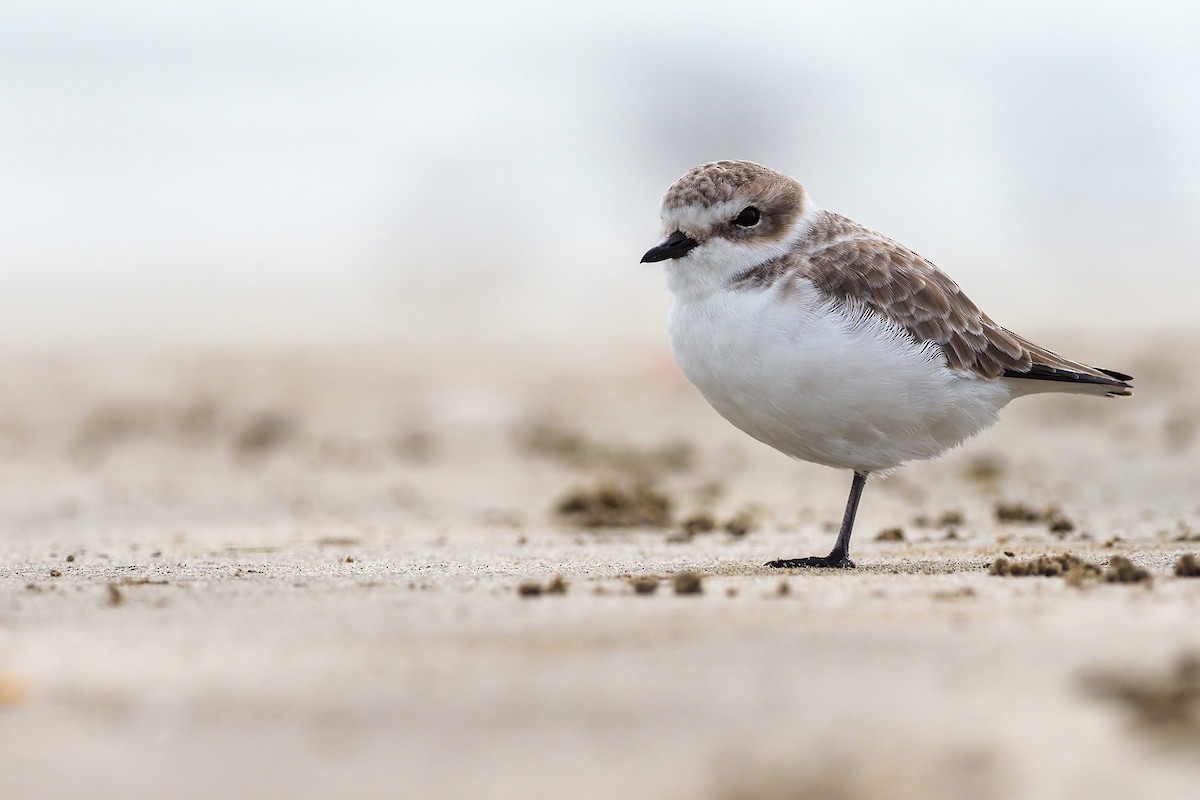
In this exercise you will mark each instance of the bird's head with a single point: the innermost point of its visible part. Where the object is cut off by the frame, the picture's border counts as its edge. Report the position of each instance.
(725, 217)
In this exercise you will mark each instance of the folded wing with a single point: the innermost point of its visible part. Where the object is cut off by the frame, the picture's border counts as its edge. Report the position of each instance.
(857, 266)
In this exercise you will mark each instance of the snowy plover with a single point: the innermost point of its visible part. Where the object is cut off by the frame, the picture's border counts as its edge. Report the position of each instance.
(830, 342)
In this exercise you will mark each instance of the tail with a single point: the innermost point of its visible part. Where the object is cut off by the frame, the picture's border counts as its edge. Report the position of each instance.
(1050, 372)
(1067, 376)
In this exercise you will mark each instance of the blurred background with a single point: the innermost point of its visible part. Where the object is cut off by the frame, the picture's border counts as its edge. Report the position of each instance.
(317, 319)
(490, 173)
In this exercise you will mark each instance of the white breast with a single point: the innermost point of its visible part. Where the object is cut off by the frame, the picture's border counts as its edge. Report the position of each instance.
(823, 383)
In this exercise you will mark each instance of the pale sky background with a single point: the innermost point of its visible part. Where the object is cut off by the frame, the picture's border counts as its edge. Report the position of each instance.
(200, 167)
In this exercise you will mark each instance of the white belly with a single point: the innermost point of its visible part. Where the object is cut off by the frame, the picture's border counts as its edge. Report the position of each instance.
(823, 384)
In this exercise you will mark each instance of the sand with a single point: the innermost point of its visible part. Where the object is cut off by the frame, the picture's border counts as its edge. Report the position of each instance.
(341, 571)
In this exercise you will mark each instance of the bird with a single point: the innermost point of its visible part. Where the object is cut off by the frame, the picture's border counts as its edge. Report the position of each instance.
(831, 342)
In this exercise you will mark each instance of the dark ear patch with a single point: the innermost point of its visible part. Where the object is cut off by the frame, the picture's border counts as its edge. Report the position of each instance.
(771, 218)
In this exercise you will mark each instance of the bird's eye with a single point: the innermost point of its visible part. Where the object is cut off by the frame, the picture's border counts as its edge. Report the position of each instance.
(748, 218)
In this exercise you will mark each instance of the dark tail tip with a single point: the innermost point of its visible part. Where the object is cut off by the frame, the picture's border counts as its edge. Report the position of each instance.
(1112, 373)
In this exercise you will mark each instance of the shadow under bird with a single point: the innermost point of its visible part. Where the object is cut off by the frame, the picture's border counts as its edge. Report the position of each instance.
(830, 342)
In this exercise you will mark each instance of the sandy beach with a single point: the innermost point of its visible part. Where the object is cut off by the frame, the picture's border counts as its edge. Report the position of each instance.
(343, 455)
(376, 570)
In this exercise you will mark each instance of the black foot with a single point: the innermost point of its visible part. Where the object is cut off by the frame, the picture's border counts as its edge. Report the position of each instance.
(831, 561)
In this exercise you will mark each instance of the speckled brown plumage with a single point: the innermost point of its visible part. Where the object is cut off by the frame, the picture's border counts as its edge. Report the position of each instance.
(858, 267)
(719, 181)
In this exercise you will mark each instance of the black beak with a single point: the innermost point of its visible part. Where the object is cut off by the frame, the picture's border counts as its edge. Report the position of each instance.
(676, 246)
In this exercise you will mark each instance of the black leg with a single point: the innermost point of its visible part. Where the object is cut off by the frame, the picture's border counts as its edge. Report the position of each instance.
(840, 557)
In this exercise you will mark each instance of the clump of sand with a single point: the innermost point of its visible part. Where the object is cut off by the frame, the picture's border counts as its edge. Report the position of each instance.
(612, 506)
(1072, 568)
(1166, 704)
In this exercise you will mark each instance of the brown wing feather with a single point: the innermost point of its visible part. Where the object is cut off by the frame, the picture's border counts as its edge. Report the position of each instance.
(853, 264)
(859, 266)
